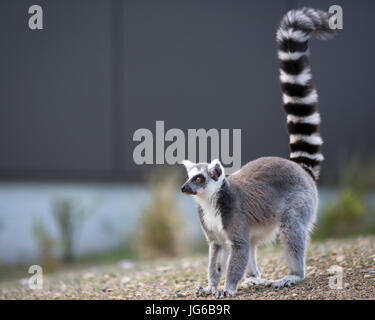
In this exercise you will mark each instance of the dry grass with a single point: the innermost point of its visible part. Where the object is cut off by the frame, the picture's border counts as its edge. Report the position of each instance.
(177, 278)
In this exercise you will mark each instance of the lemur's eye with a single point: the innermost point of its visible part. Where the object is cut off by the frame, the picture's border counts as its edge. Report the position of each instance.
(199, 179)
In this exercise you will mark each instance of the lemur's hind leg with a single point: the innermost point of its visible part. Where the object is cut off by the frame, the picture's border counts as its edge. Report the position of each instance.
(253, 277)
(294, 235)
(252, 267)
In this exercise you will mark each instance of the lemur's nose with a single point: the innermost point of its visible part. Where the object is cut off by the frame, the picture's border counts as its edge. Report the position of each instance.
(183, 188)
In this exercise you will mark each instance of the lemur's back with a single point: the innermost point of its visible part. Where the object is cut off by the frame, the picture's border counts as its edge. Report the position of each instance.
(272, 184)
(275, 171)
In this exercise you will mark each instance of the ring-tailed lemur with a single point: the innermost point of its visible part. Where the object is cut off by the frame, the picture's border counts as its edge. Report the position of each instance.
(270, 194)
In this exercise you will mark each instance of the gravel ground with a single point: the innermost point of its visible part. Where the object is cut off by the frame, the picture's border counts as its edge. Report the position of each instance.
(178, 278)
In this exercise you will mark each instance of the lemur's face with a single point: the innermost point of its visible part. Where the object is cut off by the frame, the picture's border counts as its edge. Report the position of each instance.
(203, 178)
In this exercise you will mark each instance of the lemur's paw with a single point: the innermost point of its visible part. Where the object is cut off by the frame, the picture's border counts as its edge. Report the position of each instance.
(285, 282)
(200, 291)
(224, 293)
(252, 281)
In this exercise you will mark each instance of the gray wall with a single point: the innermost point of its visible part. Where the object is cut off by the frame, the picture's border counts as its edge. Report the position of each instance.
(72, 95)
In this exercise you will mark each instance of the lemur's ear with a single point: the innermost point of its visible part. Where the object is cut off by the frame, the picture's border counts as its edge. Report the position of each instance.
(188, 164)
(215, 169)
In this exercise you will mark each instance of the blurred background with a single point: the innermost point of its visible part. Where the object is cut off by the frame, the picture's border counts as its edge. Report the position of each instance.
(72, 95)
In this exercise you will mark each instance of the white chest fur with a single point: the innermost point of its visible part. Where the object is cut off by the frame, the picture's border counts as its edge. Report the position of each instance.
(212, 219)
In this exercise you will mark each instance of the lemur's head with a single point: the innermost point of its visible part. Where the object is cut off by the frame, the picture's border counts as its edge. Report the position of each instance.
(203, 178)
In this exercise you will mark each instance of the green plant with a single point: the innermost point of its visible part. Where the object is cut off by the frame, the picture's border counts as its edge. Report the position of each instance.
(46, 244)
(69, 217)
(350, 214)
(161, 227)
(357, 174)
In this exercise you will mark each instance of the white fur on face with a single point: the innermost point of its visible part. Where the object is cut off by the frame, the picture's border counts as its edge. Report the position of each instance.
(193, 172)
(188, 164)
(212, 186)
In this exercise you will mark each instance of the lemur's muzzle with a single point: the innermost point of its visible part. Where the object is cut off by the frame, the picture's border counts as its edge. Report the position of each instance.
(185, 188)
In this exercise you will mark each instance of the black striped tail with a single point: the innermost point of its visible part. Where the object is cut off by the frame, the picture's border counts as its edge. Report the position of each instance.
(300, 97)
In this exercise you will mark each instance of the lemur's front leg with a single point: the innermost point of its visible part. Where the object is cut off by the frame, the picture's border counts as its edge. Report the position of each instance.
(217, 263)
(238, 261)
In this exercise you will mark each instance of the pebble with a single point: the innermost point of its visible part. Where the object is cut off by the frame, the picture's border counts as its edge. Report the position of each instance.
(88, 275)
(180, 295)
(164, 268)
(62, 286)
(126, 264)
(124, 281)
(24, 282)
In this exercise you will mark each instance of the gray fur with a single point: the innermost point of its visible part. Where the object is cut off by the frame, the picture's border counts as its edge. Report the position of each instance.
(266, 196)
